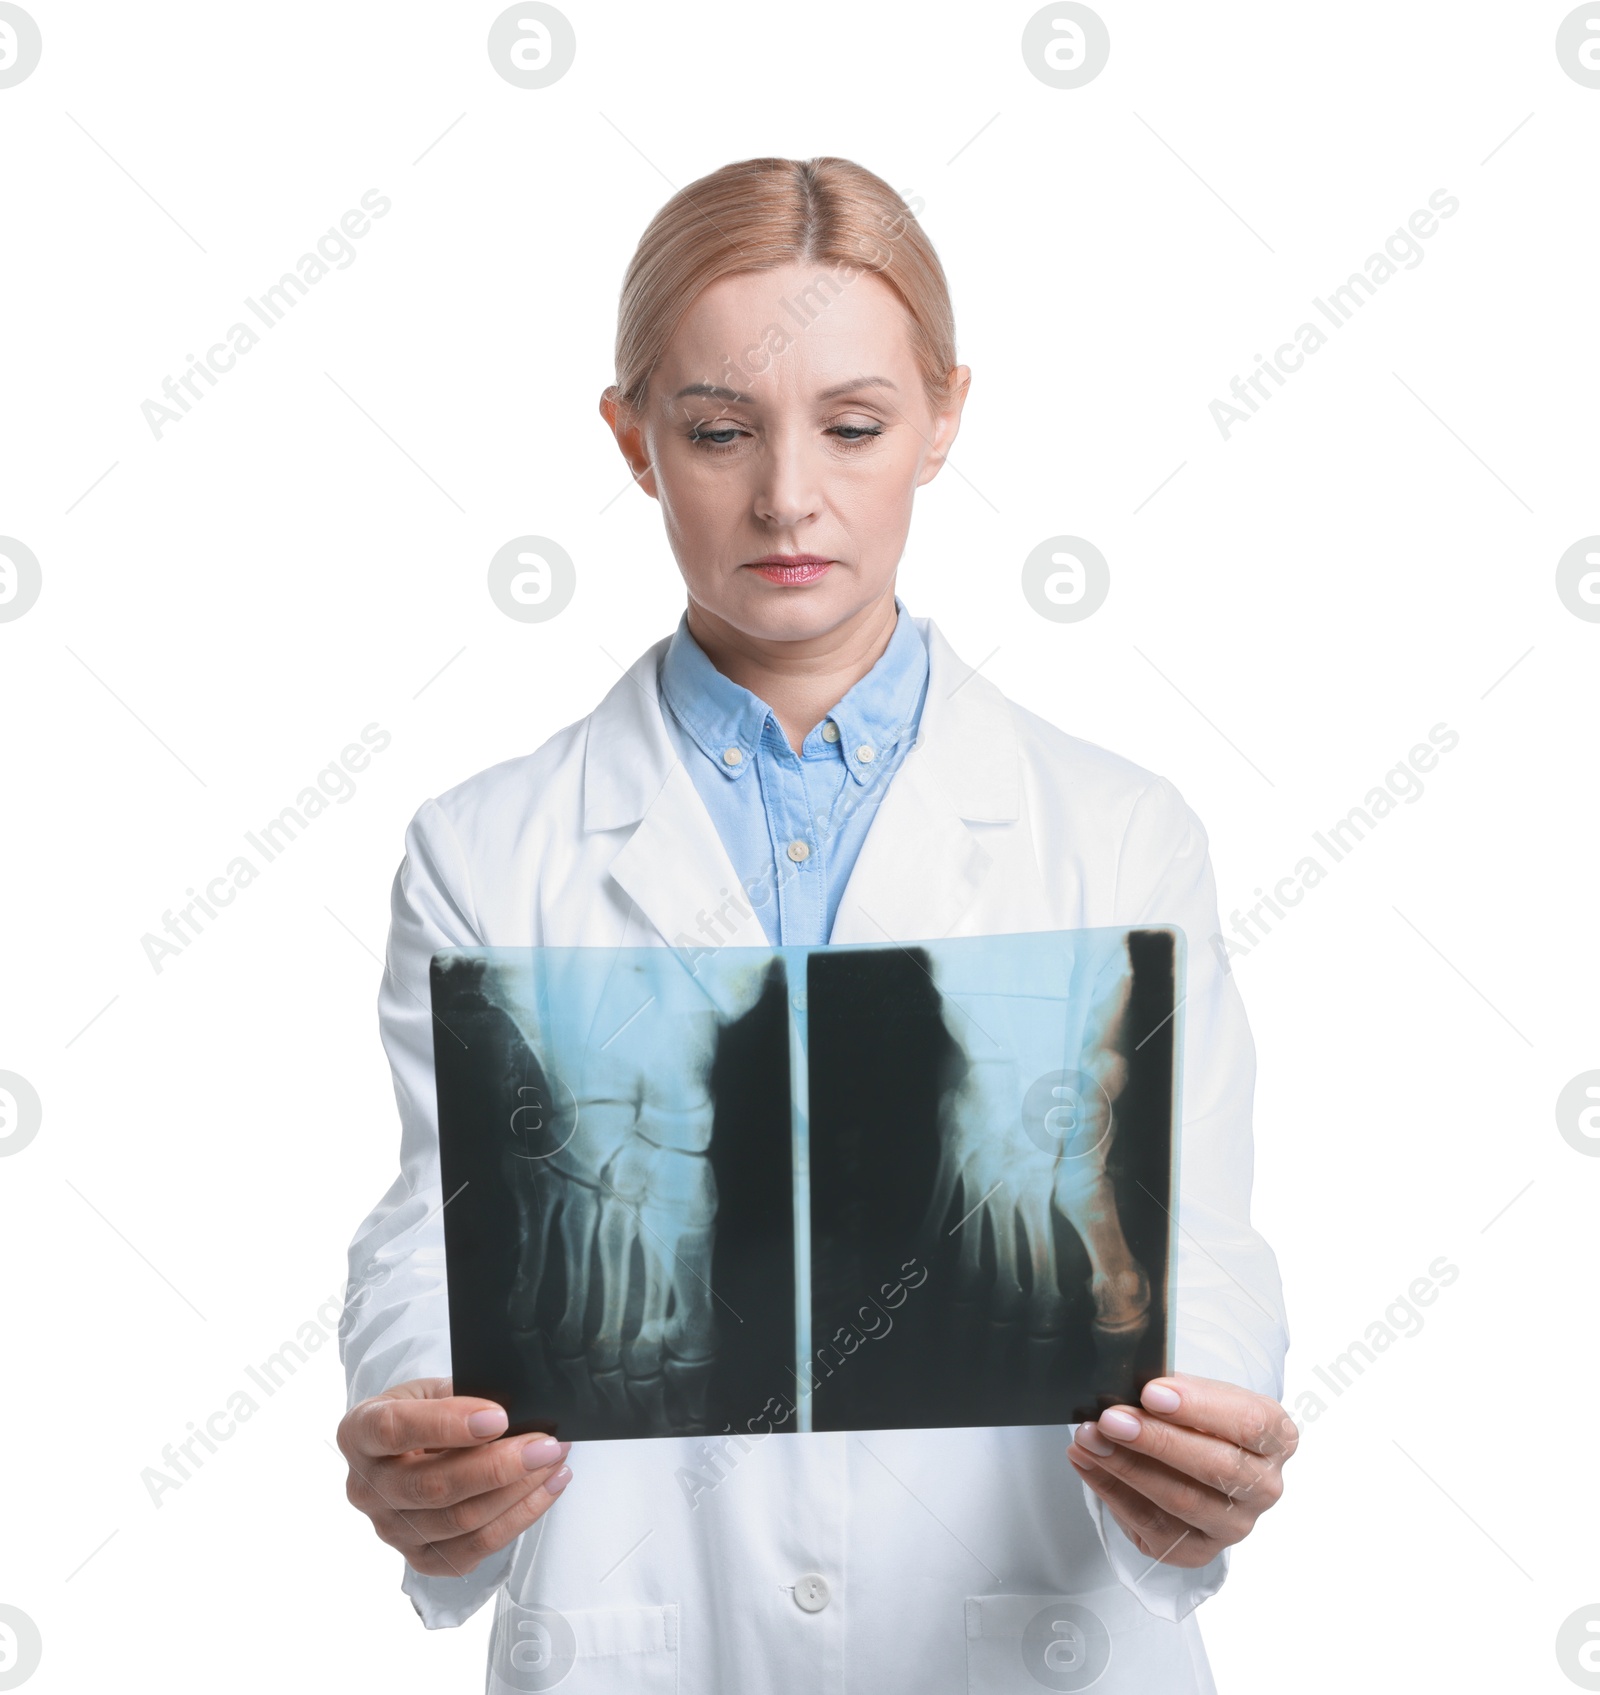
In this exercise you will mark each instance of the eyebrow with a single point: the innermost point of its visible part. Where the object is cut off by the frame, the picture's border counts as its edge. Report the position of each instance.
(850, 387)
(714, 391)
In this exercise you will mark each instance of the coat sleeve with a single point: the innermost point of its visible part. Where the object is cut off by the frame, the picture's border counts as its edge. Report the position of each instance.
(1230, 1318)
(396, 1323)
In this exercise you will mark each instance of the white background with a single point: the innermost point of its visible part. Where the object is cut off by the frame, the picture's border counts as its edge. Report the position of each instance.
(227, 607)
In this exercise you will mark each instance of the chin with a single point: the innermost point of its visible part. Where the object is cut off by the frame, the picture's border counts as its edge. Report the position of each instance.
(771, 612)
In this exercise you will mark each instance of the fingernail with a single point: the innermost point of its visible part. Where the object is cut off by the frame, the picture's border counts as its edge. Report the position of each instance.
(1091, 1439)
(1079, 1457)
(545, 1451)
(558, 1480)
(1124, 1426)
(489, 1421)
(1159, 1398)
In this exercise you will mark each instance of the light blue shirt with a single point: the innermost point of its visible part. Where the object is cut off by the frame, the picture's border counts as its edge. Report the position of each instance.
(793, 824)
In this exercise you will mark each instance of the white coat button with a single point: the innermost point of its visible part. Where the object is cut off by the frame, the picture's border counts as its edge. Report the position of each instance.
(830, 731)
(811, 1592)
(798, 850)
(865, 754)
(732, 756)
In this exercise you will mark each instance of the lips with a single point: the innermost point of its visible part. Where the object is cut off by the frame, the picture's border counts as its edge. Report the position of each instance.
(790, 568)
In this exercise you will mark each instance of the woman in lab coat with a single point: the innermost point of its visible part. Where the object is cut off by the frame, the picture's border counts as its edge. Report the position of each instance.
(786, 380)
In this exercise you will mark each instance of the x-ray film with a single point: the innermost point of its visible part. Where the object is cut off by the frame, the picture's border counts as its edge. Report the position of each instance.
(838, 1188)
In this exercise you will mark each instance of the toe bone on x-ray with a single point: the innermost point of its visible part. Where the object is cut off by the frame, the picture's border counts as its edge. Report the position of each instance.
(1029, 1129)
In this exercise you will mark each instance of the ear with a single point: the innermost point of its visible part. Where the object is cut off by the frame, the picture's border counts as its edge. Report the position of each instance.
(626, 427)
(946, 423)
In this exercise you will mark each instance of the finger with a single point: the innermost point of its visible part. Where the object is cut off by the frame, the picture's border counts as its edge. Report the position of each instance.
(395, 1423)
(1224, 1409)
(445, 1479)
(457, 1555)
(1196, 1505)
(1158, 1534)
(420, 1389)
(417, 1525)
(1224, 1466)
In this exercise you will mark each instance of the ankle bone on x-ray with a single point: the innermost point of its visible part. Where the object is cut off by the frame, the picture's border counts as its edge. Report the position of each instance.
(1027, 1132)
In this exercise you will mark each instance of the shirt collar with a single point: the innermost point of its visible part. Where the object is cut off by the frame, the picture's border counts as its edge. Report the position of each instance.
(723, 717)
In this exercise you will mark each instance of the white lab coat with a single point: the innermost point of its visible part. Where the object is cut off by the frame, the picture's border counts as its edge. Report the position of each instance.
(937, 1547)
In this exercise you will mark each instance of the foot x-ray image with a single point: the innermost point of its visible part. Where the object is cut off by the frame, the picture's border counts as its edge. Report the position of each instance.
(836, 1188)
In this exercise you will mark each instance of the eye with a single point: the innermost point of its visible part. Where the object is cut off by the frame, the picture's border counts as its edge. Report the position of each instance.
(706, 438)
(853, 434)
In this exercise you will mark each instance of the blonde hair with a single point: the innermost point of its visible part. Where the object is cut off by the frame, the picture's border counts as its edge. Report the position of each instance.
(760, 214)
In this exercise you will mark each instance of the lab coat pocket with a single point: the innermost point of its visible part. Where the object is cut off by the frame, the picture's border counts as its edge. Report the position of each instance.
(592, 1651)
(1101, 1640)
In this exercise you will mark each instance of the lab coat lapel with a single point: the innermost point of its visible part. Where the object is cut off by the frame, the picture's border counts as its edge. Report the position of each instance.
(919, 868)
(929, 863)
(673, 865)
(676, 870)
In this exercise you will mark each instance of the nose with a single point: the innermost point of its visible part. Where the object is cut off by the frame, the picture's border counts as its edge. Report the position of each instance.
(787, 492)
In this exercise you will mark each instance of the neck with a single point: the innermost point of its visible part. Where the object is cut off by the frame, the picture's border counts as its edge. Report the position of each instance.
(800, 680)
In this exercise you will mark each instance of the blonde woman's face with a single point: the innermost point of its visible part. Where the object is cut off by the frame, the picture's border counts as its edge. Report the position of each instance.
(785, 432)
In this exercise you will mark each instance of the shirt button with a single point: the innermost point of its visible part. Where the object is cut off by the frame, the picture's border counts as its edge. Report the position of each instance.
(830, 731)
(865, 754)
(811, 1592)
(732, 756)
(798, 850)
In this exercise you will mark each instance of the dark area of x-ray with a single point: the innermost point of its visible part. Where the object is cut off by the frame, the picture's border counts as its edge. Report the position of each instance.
(923, 1315)
(990, 1172)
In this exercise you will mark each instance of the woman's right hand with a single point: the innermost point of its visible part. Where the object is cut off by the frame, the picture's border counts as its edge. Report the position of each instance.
(426, 1468)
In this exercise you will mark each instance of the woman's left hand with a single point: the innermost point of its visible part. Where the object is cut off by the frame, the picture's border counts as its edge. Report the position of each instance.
(1188, 1473)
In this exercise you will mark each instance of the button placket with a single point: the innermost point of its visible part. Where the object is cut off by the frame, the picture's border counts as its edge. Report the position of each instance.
(800, 885)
